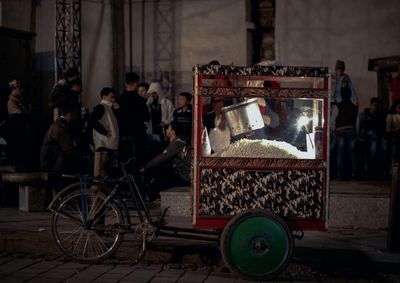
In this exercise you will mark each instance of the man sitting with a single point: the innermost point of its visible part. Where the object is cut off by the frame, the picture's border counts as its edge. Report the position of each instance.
(171, 167)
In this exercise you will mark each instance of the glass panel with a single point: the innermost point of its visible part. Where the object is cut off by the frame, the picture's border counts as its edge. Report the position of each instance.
(262, 128)
(265, 82)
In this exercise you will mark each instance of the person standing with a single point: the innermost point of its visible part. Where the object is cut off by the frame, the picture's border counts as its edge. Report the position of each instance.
(132, 115)
(161, 112)
(345, 133)
(18, 125)
(105, 132)
(371, 130)
(343, 81)
(183, 115)
(59, 152)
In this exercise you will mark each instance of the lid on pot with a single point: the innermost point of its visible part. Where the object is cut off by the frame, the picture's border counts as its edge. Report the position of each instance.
(243, 117)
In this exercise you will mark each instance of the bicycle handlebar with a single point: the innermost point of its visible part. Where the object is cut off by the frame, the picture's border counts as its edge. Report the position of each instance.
(91, 178)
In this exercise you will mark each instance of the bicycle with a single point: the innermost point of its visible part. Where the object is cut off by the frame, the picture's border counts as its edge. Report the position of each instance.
(88, 223)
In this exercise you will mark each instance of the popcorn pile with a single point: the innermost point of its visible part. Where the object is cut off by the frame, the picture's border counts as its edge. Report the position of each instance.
(260, 149)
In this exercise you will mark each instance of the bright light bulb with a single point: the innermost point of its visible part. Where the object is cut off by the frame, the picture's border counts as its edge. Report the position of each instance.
(302, 121)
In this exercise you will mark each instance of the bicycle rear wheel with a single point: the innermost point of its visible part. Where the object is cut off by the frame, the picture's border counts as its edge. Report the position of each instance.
(91, 238)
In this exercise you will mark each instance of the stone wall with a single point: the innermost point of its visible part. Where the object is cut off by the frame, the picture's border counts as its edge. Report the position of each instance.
(313, 32)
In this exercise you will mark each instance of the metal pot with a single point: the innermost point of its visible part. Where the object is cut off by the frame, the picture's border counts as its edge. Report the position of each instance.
(243, 117)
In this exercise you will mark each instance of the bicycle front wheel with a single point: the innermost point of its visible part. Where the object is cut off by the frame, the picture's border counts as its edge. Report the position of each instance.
(86, 228)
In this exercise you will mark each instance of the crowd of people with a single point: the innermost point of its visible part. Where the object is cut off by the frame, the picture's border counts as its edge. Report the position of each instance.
(141, 126)
(363, 143)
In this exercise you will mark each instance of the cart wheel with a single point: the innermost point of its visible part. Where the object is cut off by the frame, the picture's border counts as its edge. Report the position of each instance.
(257, 244)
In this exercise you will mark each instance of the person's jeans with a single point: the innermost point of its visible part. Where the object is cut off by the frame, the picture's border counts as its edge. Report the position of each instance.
(376, 153)
(345, 153)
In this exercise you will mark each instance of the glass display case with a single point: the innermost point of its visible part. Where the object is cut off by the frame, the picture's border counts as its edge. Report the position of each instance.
(260, 140)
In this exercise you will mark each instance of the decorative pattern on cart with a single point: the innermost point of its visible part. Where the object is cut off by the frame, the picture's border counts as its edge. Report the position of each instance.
(287, 193)
(260, 70)
(247, 92)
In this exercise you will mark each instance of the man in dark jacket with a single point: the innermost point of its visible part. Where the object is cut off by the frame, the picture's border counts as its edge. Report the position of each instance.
(371, 130)
(171, 167)
(345, 133)
(59, 152)
(132, 115)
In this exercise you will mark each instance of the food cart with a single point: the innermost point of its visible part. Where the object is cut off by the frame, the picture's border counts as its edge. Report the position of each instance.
(260, 142)
(260, 174)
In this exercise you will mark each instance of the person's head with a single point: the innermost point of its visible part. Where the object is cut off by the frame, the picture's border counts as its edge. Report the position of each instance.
(108, 94)
(70, 110)
(375, 103)
(339, 67)
(142, 90)
(346, 93)
(156, 91)
(75, 84)
(131, 81)
(15, 88)
(217, 103)
(184, 99)
(173, 130)
(71, 74)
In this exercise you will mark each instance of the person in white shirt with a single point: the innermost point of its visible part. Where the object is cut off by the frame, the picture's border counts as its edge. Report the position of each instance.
(105, 131)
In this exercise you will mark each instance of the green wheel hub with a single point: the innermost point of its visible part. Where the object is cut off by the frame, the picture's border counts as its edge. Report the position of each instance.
(258, 245)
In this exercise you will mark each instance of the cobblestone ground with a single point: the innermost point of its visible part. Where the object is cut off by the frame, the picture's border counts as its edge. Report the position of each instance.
(19, 268)
(27, 269)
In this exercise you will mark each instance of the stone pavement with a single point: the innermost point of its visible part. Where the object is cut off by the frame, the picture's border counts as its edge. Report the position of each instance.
(28, 253)
(27, 269)
(337, 255)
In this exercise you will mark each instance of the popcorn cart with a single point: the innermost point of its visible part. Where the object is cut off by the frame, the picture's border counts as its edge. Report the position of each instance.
(260, 173)
(260, 138)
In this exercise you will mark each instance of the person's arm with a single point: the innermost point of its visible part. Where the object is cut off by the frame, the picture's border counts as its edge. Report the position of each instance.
(334, 115)
(354, 98)
(98, 112)
(168, 114)
(168, 154)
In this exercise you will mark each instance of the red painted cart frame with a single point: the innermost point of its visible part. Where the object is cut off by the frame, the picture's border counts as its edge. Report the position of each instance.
(284, 82)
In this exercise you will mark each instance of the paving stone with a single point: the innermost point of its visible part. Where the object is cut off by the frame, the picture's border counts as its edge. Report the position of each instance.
(91, 273)
(220, 278)
(15, 265)
(167, 276)
(141, 275)
(193, 276)
(6, 259)
(14, 278)
(122, 269)
(44, 280)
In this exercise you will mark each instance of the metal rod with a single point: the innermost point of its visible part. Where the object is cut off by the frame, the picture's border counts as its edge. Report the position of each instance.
(393, 236)
(130, 37)
(143, 37)
(189, 230)
(186, 236)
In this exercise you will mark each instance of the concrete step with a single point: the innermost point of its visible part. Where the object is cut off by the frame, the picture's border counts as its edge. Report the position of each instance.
(359, 204)
(179, 201)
